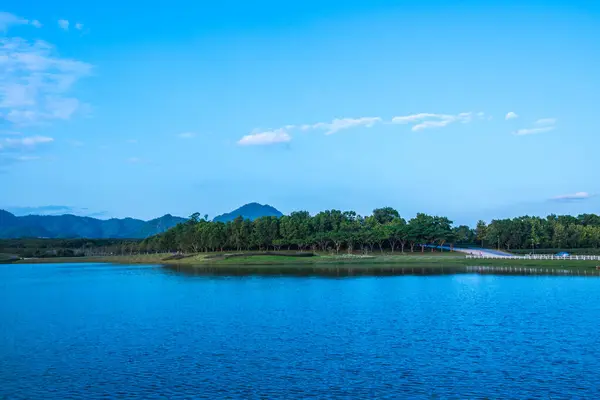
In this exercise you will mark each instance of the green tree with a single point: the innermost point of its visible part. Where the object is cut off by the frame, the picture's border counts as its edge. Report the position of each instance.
(463, 235)
(441, 231)
(385, 215)
(534, 235)
(348, 230)
(481, 231)
(559, 236)
(422, 230)
(396, 232)
(492, 234)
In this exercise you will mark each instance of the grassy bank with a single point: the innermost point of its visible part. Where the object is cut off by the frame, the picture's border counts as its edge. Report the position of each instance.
(7, 257)
(254, 259)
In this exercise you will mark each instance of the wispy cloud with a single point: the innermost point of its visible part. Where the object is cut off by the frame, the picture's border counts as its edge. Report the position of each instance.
(533, 131)
(35, 82)
(7, 20)
(98, 214)
(574, 196)
(21, 142)
(63, 24)
(419, 121)
(427, 120)
(42, 210)
(265, 138)
(541, 126)
(79, 26)
(10, 157)
(50, 210)
(132, 141)
(134, 160)
(511, 115)
(546, 121)
(339, 124)
(187, 135)
(16, 149)
(282, 135)
(27, 158)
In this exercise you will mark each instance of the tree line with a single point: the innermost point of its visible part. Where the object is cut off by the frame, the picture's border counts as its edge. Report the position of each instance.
(383, 230)
(77, 247)
(554, 231)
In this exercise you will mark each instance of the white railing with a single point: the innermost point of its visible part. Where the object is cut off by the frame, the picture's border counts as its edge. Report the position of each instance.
(535, 257)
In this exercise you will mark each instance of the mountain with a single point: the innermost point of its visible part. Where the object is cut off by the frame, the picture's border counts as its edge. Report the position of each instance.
(249, 211)
(72, 226)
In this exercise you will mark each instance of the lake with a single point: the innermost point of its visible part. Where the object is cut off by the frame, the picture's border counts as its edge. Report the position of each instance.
(104, 331)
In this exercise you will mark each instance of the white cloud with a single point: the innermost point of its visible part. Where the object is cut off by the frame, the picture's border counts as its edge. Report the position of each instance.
(282, 134)
(432, 124)
(412, 118)
(27, 158)
(35, 82)
(265, 138)
(428, 120)
(339, 124)
(419, 121)
(63, 24)
(132, 141)
(546, 121)
(533, 131)
(511, 115)
(79, 26)
(7, 20)
(29, 141)
(574, 196)
(543, 125)
(187, 135)
(134, 160)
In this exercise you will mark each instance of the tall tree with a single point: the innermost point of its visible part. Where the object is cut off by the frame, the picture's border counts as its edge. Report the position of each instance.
(481, 231)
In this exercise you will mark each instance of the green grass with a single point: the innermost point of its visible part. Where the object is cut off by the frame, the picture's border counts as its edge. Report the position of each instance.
(409, 259)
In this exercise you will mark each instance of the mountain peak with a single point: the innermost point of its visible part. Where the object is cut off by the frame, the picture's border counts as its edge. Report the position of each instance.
(249, 211)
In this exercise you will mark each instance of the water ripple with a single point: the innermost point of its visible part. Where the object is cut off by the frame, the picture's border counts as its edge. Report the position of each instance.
(104, 332)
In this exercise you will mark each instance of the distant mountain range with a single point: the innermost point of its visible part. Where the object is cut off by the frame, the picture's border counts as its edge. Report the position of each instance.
(249, 211)
(72, 226)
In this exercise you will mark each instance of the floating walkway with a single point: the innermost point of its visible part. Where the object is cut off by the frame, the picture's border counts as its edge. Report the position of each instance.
(531, 271)
(533, 257)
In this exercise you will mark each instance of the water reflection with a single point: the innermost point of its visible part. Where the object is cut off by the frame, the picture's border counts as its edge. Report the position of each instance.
(366, 270)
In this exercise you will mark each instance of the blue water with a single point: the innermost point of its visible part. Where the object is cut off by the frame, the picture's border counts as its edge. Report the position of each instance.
(99, 331)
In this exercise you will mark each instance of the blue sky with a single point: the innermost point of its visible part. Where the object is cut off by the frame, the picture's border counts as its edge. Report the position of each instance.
(468, 109)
